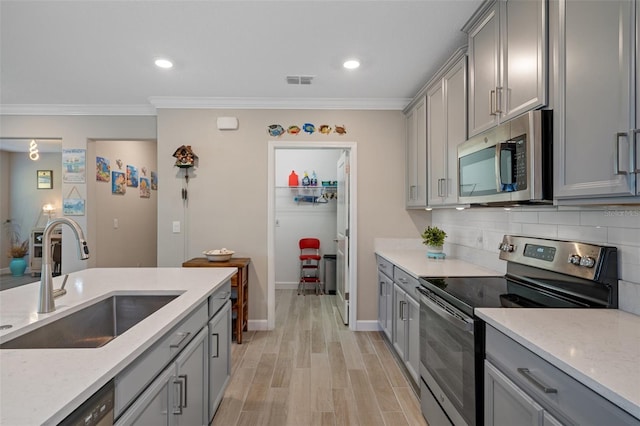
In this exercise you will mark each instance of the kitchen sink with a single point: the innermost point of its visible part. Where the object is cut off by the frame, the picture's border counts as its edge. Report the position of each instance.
(93, 326)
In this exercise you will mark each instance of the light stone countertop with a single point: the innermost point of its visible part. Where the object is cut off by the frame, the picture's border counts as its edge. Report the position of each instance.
(598, 347)
(42, 386)
(416, 263)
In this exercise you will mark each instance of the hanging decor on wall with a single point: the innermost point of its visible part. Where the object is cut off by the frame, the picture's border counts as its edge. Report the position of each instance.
(103, 169)
(341, 130)
(119, 164)
(293, 130)
(73, 165)
(73, 204)
(118, 183)
(132, 176)
(154, 180)
(144, 171)
(145, 188)
(275, 130)
(185, 159)
(308, 128)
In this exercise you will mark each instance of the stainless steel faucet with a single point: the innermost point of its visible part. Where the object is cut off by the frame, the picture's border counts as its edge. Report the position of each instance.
(46, 302)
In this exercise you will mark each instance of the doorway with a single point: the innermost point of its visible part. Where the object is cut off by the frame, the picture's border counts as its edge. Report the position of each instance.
(351, 147)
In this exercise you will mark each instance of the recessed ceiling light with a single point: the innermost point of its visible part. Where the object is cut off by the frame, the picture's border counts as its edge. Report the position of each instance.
(163, 63)
(351, 64)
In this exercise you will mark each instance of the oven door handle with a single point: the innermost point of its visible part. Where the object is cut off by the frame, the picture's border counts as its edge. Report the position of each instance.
(447, 316)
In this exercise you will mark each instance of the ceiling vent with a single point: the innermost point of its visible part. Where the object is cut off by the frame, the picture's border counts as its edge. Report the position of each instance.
(299, 79)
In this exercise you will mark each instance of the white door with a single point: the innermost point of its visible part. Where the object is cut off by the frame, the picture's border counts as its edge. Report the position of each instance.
(342, 238)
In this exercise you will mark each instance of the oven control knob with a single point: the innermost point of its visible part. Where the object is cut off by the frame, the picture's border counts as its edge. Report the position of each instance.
(509, 248)
(587, 261)
(574, 259)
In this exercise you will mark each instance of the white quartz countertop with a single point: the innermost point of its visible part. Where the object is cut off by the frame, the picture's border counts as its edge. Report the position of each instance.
(416, 263)
(42, 386)
(598, 347)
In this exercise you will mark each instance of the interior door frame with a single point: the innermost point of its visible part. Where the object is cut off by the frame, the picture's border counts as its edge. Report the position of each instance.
(271, 222)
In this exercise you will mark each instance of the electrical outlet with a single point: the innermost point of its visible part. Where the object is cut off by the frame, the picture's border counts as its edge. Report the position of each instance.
(176, 227)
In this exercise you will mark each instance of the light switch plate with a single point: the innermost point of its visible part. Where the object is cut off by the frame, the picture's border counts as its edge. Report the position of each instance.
(176, 227)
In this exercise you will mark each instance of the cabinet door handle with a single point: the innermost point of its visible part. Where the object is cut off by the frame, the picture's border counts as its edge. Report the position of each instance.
(183, 337)
(529, 376)
(178, 381)
(217, 336)
(636, 136)
(616, 160)
(412, 192)
(499, 100)
(492, 96)
(402, 303)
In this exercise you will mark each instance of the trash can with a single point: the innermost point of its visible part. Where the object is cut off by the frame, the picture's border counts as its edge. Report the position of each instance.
(329, 273)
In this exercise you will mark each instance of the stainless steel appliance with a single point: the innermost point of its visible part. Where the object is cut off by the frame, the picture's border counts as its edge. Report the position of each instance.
(541, 273)
(96, 411)
(509, 164)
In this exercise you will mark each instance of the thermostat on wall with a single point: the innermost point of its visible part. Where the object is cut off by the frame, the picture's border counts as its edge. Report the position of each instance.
(227, 123)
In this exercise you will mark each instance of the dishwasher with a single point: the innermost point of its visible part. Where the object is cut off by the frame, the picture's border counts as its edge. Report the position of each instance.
(95, 411)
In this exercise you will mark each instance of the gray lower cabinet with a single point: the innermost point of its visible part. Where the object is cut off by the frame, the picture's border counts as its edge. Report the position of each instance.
(506, 404)
(385, 296)
(523, 389)
(219, 357)
(406, 330)
(179, 395)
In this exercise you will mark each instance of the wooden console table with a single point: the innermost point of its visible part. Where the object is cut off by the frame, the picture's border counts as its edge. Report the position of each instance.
(239, 283)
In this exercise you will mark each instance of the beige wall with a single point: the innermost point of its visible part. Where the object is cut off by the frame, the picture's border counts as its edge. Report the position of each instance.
(133, 243)
(75, 131)
(227, 204)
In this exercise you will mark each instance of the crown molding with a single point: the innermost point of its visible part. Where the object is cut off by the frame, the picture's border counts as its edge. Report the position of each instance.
(157, 102)
(280, 103)
(70, 109)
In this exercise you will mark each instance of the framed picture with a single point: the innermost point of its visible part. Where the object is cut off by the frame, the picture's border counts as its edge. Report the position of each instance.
(73, 165)
(73, 207)
(45, 179)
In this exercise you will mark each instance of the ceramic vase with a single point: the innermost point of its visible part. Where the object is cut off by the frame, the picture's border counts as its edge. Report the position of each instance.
(434, 249)
(17, 266)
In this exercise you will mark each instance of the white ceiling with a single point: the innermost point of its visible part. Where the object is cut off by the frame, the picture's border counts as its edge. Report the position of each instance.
(92, 55)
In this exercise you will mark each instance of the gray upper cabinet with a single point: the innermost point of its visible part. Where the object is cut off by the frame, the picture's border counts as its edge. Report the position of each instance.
(596, 109)
(416, 154)
(507, 61)
(446, 129)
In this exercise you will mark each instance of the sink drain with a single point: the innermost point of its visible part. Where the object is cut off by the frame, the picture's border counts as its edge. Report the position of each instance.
(5, 327)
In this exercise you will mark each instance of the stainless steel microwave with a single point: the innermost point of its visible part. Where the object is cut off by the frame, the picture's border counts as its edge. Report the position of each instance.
(509, 164)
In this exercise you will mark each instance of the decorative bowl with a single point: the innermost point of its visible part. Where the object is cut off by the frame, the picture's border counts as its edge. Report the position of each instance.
(221, 255)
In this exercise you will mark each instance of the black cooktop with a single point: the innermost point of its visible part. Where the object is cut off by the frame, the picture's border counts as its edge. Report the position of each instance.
(468, 293)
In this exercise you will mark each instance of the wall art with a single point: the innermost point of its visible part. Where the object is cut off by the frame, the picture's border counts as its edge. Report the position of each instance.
(44, 179)
(118, 183)
(132, 176)
(103, 169)
(154, 180)
(74, 165)
(145, 188)
(73, 204)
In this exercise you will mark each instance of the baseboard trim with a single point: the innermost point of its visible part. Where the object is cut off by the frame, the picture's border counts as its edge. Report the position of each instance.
(257, 325)
(370, 325)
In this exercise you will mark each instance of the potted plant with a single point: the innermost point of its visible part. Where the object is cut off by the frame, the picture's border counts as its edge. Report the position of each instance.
(433, 237)
(18, 248)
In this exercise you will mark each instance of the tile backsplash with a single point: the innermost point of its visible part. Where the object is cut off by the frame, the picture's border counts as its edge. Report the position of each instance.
(474, 235)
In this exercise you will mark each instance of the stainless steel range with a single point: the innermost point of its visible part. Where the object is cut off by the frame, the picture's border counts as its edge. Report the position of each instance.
(541, 273)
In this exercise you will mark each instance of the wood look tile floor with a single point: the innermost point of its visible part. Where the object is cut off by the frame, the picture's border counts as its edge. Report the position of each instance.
(311, 370)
